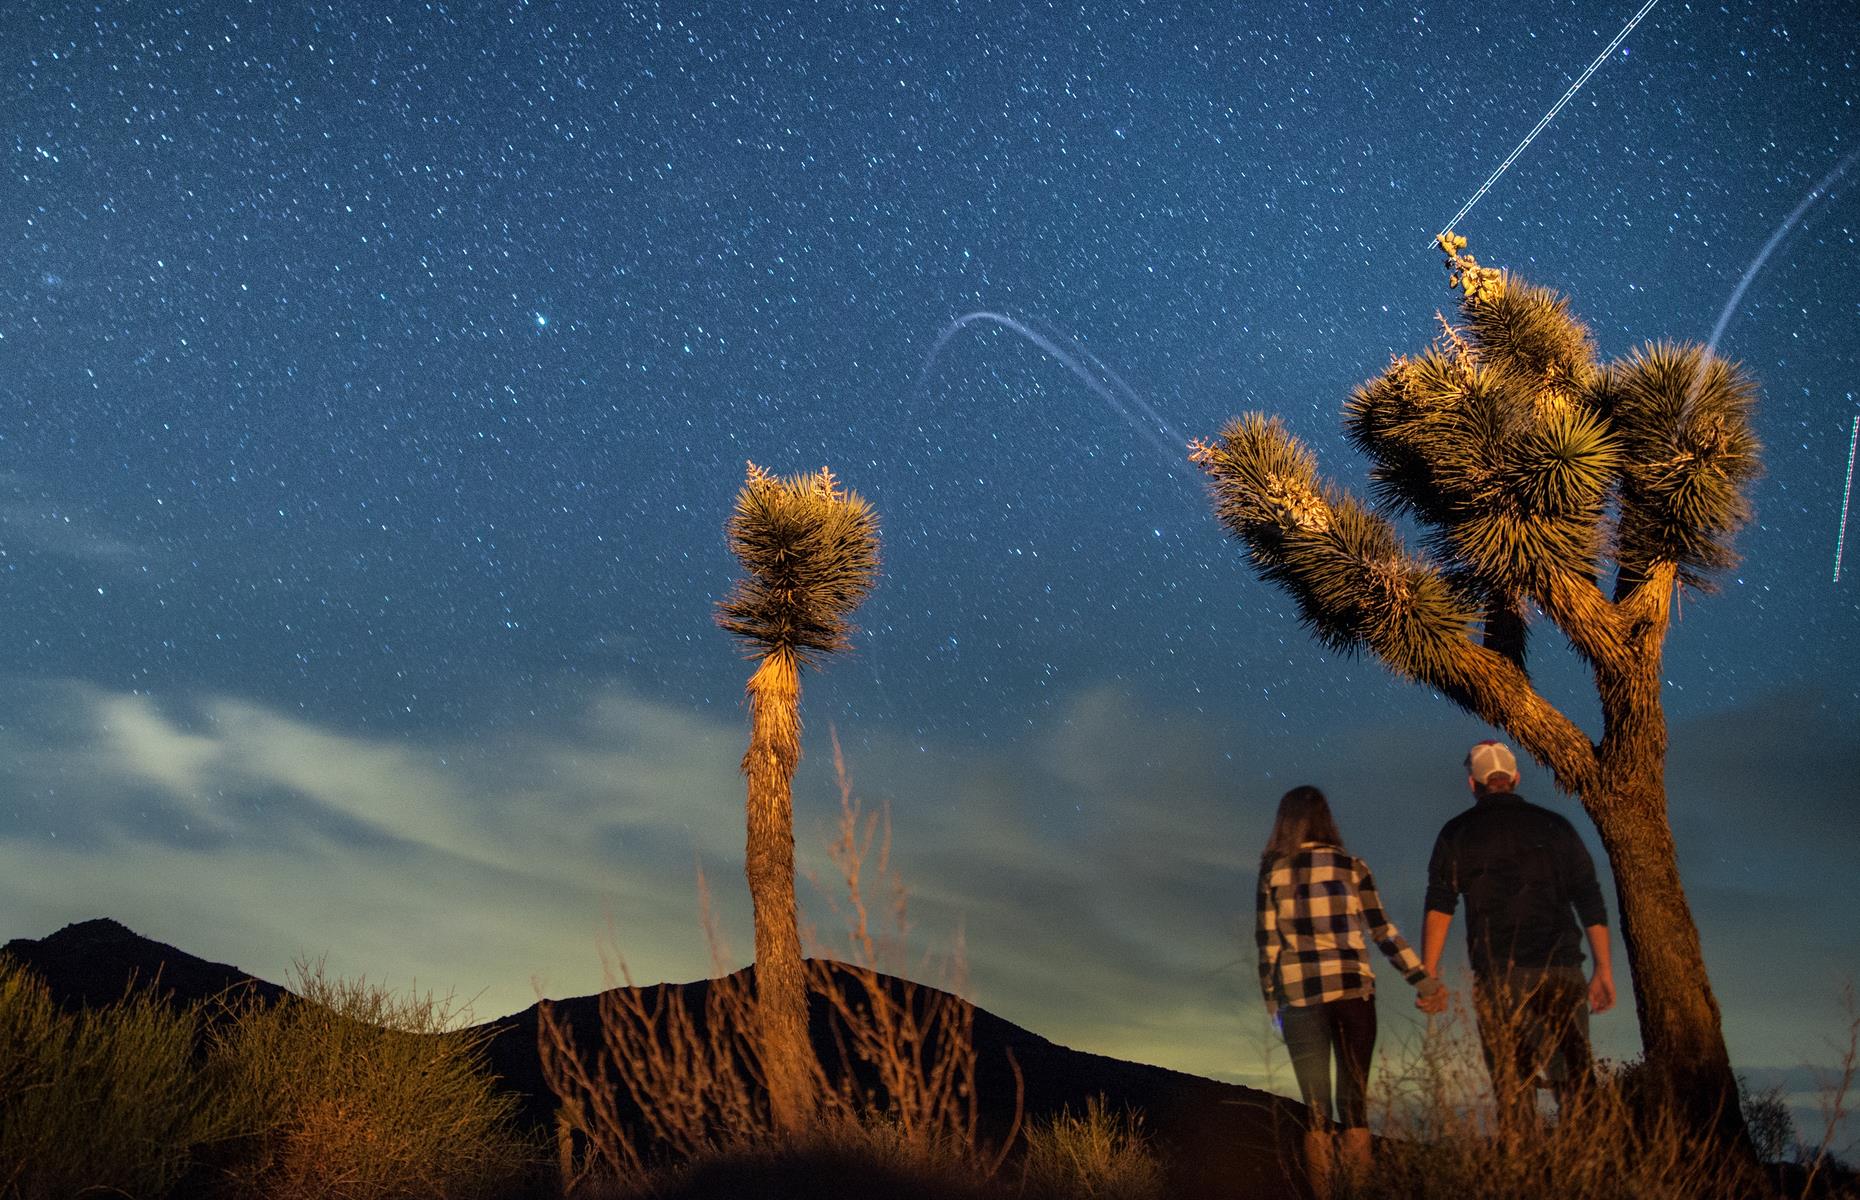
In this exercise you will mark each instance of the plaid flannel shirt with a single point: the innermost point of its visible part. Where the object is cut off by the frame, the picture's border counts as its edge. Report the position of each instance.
(1313, 907)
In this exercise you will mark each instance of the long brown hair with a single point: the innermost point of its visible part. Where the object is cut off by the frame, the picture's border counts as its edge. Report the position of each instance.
(1304, 816)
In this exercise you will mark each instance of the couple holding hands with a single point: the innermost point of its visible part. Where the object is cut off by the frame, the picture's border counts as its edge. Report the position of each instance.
(1531, 901)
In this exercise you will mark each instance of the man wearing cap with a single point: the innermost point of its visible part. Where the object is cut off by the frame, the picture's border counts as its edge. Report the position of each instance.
(1531, 897)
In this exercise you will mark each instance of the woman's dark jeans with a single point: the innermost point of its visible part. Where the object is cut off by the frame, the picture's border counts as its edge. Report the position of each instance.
(1316, 1032)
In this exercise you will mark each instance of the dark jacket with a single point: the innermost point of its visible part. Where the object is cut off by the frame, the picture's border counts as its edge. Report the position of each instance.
(1527, 878)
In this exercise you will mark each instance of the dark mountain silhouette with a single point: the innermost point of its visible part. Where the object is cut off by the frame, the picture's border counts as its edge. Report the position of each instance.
(1221, 1138)
(94, 963)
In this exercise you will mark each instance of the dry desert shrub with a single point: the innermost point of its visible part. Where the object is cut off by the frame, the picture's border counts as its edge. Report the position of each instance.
(907, 1052)
(672, 1078)
(1101, 1155)
(104, 1101)
(1820, 1163)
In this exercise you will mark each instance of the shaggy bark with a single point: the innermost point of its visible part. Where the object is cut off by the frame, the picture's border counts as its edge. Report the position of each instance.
(1682, 1033)
(781, 988)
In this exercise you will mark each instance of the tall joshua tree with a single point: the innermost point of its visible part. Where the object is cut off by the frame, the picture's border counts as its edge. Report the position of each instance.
(1553, 489)
(809, 551)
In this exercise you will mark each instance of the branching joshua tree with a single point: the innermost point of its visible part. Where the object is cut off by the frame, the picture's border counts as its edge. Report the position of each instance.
(1553, 488)
(809, 551)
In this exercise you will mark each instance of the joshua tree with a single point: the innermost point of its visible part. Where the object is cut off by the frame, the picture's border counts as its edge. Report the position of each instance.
(809, 551)
(1549, 487)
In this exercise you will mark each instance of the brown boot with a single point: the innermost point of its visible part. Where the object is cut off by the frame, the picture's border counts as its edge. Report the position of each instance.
(1320, 1163)
(1357, 1155)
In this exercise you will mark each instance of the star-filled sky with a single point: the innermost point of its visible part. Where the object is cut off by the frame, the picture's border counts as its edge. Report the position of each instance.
(375, 380)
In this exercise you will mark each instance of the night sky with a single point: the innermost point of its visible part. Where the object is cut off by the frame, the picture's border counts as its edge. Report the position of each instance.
(375, 380)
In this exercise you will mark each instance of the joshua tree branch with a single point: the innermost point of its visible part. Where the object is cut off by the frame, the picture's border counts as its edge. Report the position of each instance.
(1358, 589)
(1577, 607)
(1649, 597)
(1494, 688)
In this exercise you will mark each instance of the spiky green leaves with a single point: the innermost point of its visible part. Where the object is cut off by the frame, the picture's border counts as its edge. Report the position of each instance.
(1264, 481)
(1539, 506)
(1429, 425)
(1528, 334)
(809, 550)
(1563, 465)
(1342, 564)
(1683, 420)
(1512, 486)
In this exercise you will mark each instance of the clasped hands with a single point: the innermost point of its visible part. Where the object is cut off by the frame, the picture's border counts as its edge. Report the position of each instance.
(1431, 995)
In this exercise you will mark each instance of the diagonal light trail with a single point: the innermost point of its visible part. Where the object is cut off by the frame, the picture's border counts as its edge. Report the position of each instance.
(1547, 117)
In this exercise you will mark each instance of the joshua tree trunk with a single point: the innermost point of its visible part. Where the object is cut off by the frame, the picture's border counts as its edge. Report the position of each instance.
(781, 993)
(810, 554)
(1681, 1034)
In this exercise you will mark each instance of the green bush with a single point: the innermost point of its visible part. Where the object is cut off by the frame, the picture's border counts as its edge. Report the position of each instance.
(105, 1101)
(353, 1091)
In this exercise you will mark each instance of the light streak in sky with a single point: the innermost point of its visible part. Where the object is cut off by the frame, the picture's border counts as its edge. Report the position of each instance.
(1840, 540)
(1547, 118)
(1737, 297)
(1152, 429)
(1143, 406)
(1737, 294)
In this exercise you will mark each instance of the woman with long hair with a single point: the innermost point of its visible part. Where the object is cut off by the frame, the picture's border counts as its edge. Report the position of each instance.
(1315, 902)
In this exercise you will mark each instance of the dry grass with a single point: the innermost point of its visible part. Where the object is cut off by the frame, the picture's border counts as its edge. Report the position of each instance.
(907, 1052)
(1444, 1138)
(349, 1091)
(673, 1078)
(676, 1082)
(1820, 1162)
(1101, 1154)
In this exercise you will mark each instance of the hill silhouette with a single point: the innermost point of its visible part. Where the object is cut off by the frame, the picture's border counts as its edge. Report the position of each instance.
(93, 963)
(1220, 1138)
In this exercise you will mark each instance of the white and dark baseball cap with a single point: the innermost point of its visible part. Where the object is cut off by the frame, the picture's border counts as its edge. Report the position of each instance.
(1489, 757)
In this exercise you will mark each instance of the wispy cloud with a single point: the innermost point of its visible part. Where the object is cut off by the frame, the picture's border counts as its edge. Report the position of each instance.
(377, 849)
(33, 516)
